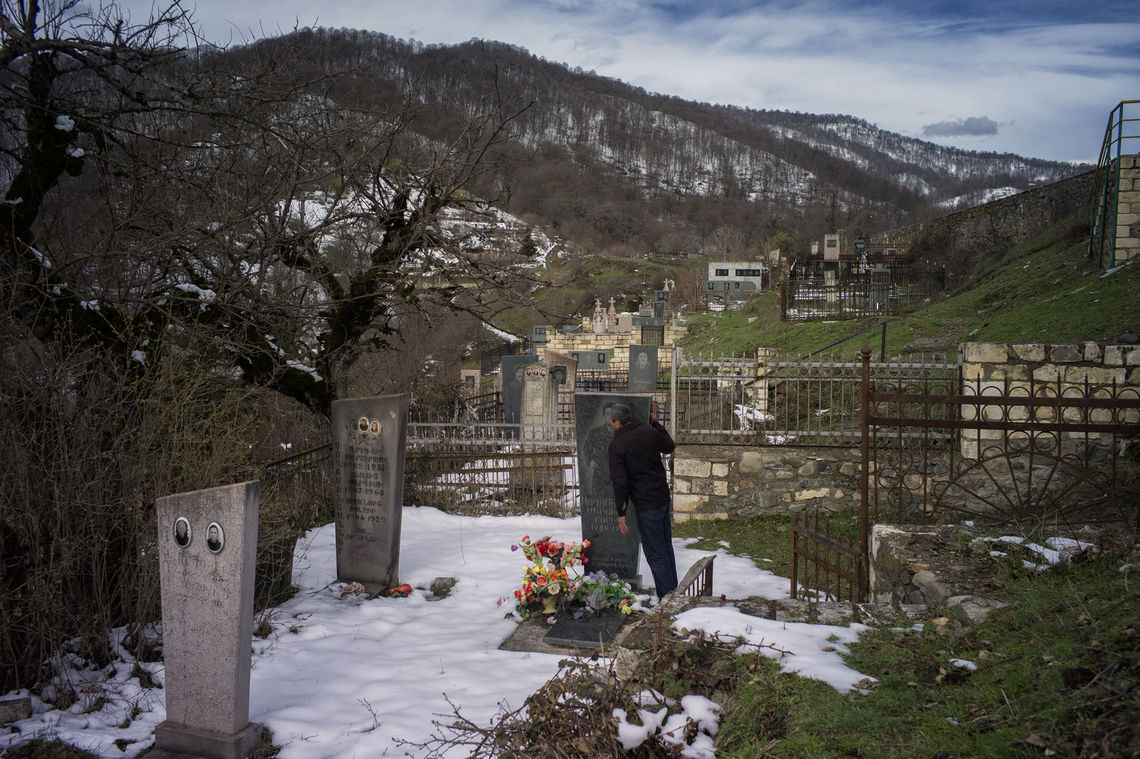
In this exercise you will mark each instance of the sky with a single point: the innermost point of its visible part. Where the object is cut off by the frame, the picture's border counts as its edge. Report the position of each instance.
(1033, 77)
(346, 676)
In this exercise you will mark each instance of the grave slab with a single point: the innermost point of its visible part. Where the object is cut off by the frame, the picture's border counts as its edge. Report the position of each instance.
(590, 631)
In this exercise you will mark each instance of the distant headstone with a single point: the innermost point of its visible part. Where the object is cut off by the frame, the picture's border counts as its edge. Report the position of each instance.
(512, 375)
(590, 631)
(539, 402)
(369, 436)
(563, 368)
(642, 368)
(609, 550)
(207, 548)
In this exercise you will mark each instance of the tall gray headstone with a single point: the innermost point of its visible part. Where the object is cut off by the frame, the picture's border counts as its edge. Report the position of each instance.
(642, 368)
(207, 549)
(369, 437)
(513, 368)
(609, 550)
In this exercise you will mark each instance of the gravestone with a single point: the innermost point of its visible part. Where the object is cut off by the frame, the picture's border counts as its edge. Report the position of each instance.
(609, 550)
(588, 631)
(369, 436)
(512, 368)
(207, 549)
(539, 410)
(642, 368)
(563, 368)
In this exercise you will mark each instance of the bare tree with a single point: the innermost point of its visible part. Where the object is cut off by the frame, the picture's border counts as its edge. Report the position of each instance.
(181, 225)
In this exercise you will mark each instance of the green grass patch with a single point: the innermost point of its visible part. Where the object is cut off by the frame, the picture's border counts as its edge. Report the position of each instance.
(767, 539)
(1057, 674)
(1044, 290)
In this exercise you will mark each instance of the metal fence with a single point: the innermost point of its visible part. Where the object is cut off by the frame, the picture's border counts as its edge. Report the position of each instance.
(857, 297)
(763, 400)
(492, 467)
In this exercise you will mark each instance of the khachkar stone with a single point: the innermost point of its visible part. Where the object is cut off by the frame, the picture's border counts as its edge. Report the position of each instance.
(512, 368)
(642, 368)
(207, 548)
(609, 550)
(369, 436)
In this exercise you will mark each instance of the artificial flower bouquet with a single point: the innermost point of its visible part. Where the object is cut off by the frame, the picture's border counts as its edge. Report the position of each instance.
(555, 578)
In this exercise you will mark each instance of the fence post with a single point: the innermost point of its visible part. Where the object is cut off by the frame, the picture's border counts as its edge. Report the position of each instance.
(673, 395)
(865, 460)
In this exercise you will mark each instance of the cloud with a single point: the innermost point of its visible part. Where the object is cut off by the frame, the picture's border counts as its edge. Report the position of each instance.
(974, 126)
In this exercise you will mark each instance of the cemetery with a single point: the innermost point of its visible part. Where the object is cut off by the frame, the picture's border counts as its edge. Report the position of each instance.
(315, 446)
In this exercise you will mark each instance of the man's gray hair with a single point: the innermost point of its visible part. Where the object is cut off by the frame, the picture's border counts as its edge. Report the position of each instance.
(619, 413)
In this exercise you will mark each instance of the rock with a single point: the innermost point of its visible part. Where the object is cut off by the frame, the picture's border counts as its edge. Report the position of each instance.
(935, 593)
(923, 577)
(14, 709)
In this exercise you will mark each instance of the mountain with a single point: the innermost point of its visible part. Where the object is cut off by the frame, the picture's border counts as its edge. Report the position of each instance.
(623, 171)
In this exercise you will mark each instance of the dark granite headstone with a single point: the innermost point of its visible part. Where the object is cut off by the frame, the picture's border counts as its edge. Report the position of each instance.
(642, 368)
(588, 632)
(609, 550)
(369, 436)
(512, 374)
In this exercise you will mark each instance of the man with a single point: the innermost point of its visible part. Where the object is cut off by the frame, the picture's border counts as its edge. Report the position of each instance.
(638, 477)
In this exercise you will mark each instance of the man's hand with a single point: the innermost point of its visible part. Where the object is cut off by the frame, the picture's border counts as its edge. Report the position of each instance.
(622, 526)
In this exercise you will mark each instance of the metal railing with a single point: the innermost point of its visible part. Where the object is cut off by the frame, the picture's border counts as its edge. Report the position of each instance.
(857, 297)
(1106, 182)
(763, 400)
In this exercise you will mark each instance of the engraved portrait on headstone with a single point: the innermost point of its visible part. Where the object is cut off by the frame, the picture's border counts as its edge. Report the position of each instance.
(215, 537)
(642, 368)
(512, 368)
(182, 532)
(609, 550)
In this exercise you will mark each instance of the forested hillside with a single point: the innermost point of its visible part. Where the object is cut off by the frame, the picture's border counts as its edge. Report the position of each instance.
(621, 170)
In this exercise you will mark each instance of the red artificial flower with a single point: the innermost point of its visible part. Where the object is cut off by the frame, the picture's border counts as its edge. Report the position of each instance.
(400, 591)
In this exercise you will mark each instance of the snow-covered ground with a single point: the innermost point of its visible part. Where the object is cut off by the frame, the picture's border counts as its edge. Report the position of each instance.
(343, 677)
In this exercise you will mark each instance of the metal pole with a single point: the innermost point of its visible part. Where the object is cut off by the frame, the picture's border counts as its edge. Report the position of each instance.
(673, 395)
(865, 460)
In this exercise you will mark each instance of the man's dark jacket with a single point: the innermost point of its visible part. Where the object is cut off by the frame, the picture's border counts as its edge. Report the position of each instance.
(635, 466)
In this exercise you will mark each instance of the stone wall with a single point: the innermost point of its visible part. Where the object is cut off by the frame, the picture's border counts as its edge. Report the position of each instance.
(1012, 220)
(618, 344)
(1128, 210)
(718, 481)
(989, 367)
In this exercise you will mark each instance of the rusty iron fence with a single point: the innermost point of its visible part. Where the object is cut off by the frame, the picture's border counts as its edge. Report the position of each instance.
(1028, 453)
(825, 565)
(857, 296)
(492, 467)
(698, 581)
(1032, 455)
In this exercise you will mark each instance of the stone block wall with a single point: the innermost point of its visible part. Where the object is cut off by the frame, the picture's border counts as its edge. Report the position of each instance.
(718, 481)
(989, 367)
(617, 343)
(1128, 210)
